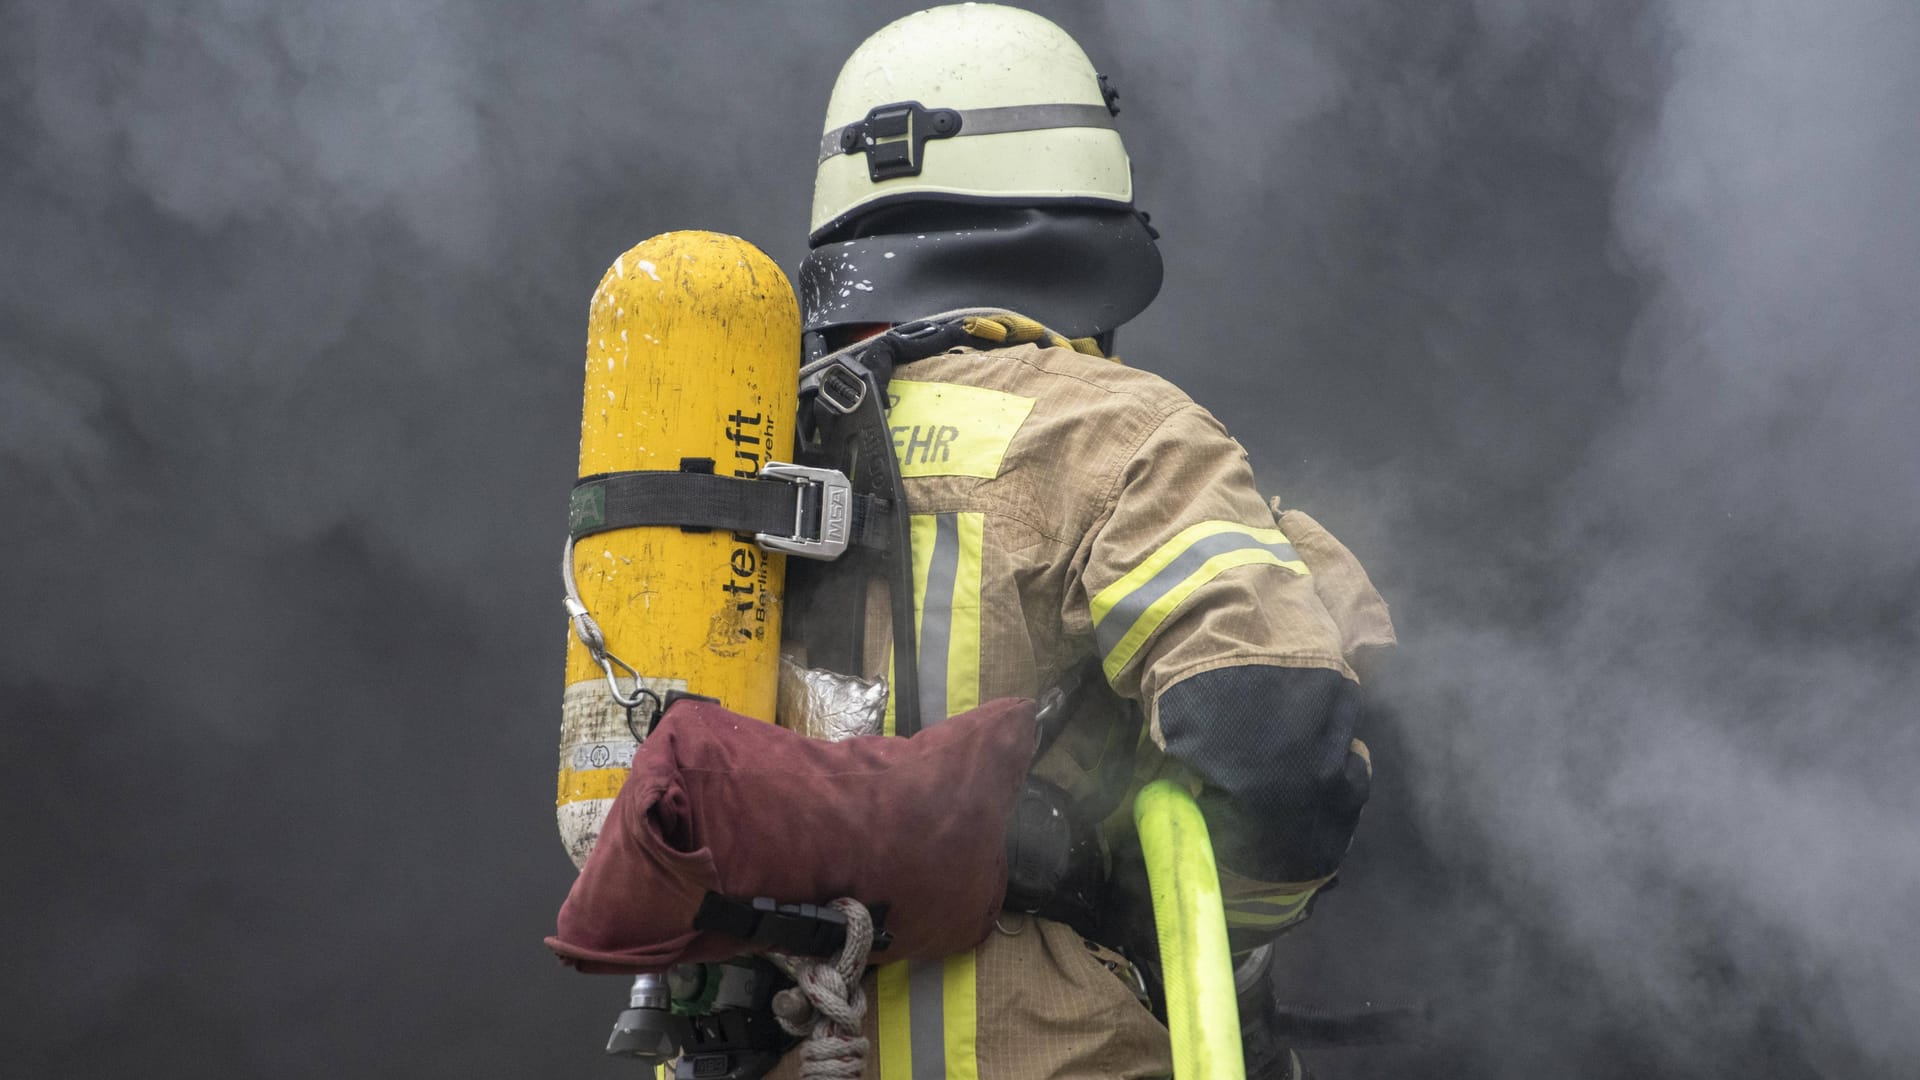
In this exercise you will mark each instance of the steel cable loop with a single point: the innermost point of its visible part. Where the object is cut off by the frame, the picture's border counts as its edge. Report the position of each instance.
(827, 1004)
(588, 631)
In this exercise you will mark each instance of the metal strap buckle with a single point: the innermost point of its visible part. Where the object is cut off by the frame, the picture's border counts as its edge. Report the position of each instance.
(921, 328)
(828, 540)
(842, 389)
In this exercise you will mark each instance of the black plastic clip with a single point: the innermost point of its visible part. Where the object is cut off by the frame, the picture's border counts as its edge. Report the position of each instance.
(894, 137)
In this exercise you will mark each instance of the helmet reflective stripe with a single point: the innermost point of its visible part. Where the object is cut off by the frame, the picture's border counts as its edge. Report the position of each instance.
(854, 138)
(977, 61)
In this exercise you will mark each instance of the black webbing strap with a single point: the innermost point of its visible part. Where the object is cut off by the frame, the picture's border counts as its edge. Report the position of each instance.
(623, 500)
(699, 500)
(872, 522)
(843, 425)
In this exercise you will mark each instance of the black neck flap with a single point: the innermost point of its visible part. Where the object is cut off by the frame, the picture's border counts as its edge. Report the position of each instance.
(1081, 271)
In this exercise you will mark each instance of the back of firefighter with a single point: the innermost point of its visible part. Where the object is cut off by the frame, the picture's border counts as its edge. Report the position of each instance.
(1066, 507)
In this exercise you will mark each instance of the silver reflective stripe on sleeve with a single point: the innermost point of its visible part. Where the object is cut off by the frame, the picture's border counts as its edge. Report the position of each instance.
(1126, 613)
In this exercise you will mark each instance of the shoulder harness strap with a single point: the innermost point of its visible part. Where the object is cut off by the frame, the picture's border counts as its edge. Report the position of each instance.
(843, 425)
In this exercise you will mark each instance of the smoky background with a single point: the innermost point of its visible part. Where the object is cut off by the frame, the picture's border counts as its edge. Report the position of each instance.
(1590, 327)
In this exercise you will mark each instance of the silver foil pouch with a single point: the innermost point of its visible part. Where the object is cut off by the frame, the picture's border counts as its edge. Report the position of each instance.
(823, 704)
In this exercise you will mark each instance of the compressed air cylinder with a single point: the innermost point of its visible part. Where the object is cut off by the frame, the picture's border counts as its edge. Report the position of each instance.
(693, 351)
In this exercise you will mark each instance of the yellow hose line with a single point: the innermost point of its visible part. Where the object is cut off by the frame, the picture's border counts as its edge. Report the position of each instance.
(1191, 923)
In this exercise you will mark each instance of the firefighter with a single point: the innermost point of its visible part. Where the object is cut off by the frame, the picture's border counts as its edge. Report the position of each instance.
(1066, 512)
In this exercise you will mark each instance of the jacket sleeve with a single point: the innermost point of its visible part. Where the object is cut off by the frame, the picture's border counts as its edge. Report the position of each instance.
(1205, 612)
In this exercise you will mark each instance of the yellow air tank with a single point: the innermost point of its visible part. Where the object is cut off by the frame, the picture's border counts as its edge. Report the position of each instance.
(693, 351)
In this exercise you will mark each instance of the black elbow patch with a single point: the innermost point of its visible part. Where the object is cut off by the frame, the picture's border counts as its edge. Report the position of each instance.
(1272, 743)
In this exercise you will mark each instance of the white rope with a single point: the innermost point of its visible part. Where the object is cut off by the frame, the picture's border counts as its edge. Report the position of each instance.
(827, 1004)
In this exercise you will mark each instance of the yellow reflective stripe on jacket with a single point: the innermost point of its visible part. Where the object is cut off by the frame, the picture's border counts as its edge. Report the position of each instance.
(962, 1028)
(1272, 911)
(892, 1005)
(927, 1026)
(1127, 612)
(948, 429)
(927, 1010)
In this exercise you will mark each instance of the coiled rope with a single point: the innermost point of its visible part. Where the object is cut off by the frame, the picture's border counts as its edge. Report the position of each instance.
(827, 1004)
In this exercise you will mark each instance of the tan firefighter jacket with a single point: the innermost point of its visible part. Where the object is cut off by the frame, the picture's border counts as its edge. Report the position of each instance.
(1064, 505)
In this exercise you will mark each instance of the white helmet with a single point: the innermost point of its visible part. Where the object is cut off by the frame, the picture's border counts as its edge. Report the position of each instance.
(970, 101)
(983, 129)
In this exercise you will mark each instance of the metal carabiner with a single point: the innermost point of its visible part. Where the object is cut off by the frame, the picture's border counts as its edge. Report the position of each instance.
(608, 662)
(590, 635)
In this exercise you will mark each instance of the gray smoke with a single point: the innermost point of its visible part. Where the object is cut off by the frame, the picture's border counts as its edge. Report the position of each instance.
(1660, 703)
(1726, 699)
(1589, 327)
